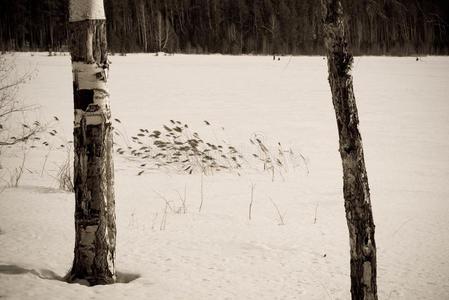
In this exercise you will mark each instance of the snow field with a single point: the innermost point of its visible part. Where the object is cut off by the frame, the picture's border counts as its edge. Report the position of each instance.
(218, 253)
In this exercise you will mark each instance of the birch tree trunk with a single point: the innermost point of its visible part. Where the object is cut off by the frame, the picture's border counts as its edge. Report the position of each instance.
(93, 167)
(359, 215)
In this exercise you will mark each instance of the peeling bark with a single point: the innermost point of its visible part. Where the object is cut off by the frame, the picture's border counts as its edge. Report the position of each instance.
(95, 230)
(355, 181)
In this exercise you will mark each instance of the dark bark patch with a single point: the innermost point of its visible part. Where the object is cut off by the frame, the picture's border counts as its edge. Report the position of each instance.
(82, 98)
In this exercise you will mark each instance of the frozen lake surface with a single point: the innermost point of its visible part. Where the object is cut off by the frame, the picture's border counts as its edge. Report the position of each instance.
(219, 253)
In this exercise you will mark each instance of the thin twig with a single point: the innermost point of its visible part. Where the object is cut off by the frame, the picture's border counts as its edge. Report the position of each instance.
(252, 201)
(164, 218)
(281, 217)
(165, 200)
(202, 193)
(316, 210)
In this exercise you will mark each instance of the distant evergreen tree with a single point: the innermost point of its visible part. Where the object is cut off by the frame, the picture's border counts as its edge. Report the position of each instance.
(397, 27)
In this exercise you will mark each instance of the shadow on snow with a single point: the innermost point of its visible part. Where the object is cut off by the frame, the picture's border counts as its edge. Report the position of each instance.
(50, 275)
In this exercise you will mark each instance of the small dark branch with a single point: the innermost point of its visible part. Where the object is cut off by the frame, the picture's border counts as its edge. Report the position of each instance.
(14, 110)
(281, 216)
(21, 139)
(251, 202)
(202, 194)
(316, 213)
(167, 203)
(14, 84)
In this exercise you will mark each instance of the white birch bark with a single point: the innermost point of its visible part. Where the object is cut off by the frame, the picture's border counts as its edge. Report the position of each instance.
(93, 166)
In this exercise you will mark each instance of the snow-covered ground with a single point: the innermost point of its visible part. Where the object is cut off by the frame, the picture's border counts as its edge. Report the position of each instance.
(219, 253)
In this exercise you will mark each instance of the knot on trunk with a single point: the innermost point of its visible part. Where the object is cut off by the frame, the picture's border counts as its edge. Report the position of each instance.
(342, 58)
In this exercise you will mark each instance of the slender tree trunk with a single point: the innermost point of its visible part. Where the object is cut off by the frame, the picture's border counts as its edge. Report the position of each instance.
(93, 166)
(144, 27)
(159, 31)
(355, 181)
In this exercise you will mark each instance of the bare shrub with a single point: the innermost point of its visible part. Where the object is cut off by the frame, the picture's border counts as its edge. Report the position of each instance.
(16, 126)
(11, 131)
(177, 148)
(12, 177)
(174, 206)
(65, 173)
(16, 174)
(276, 160)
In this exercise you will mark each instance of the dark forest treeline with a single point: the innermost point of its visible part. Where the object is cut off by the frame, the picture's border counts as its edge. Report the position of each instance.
(395, 27)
